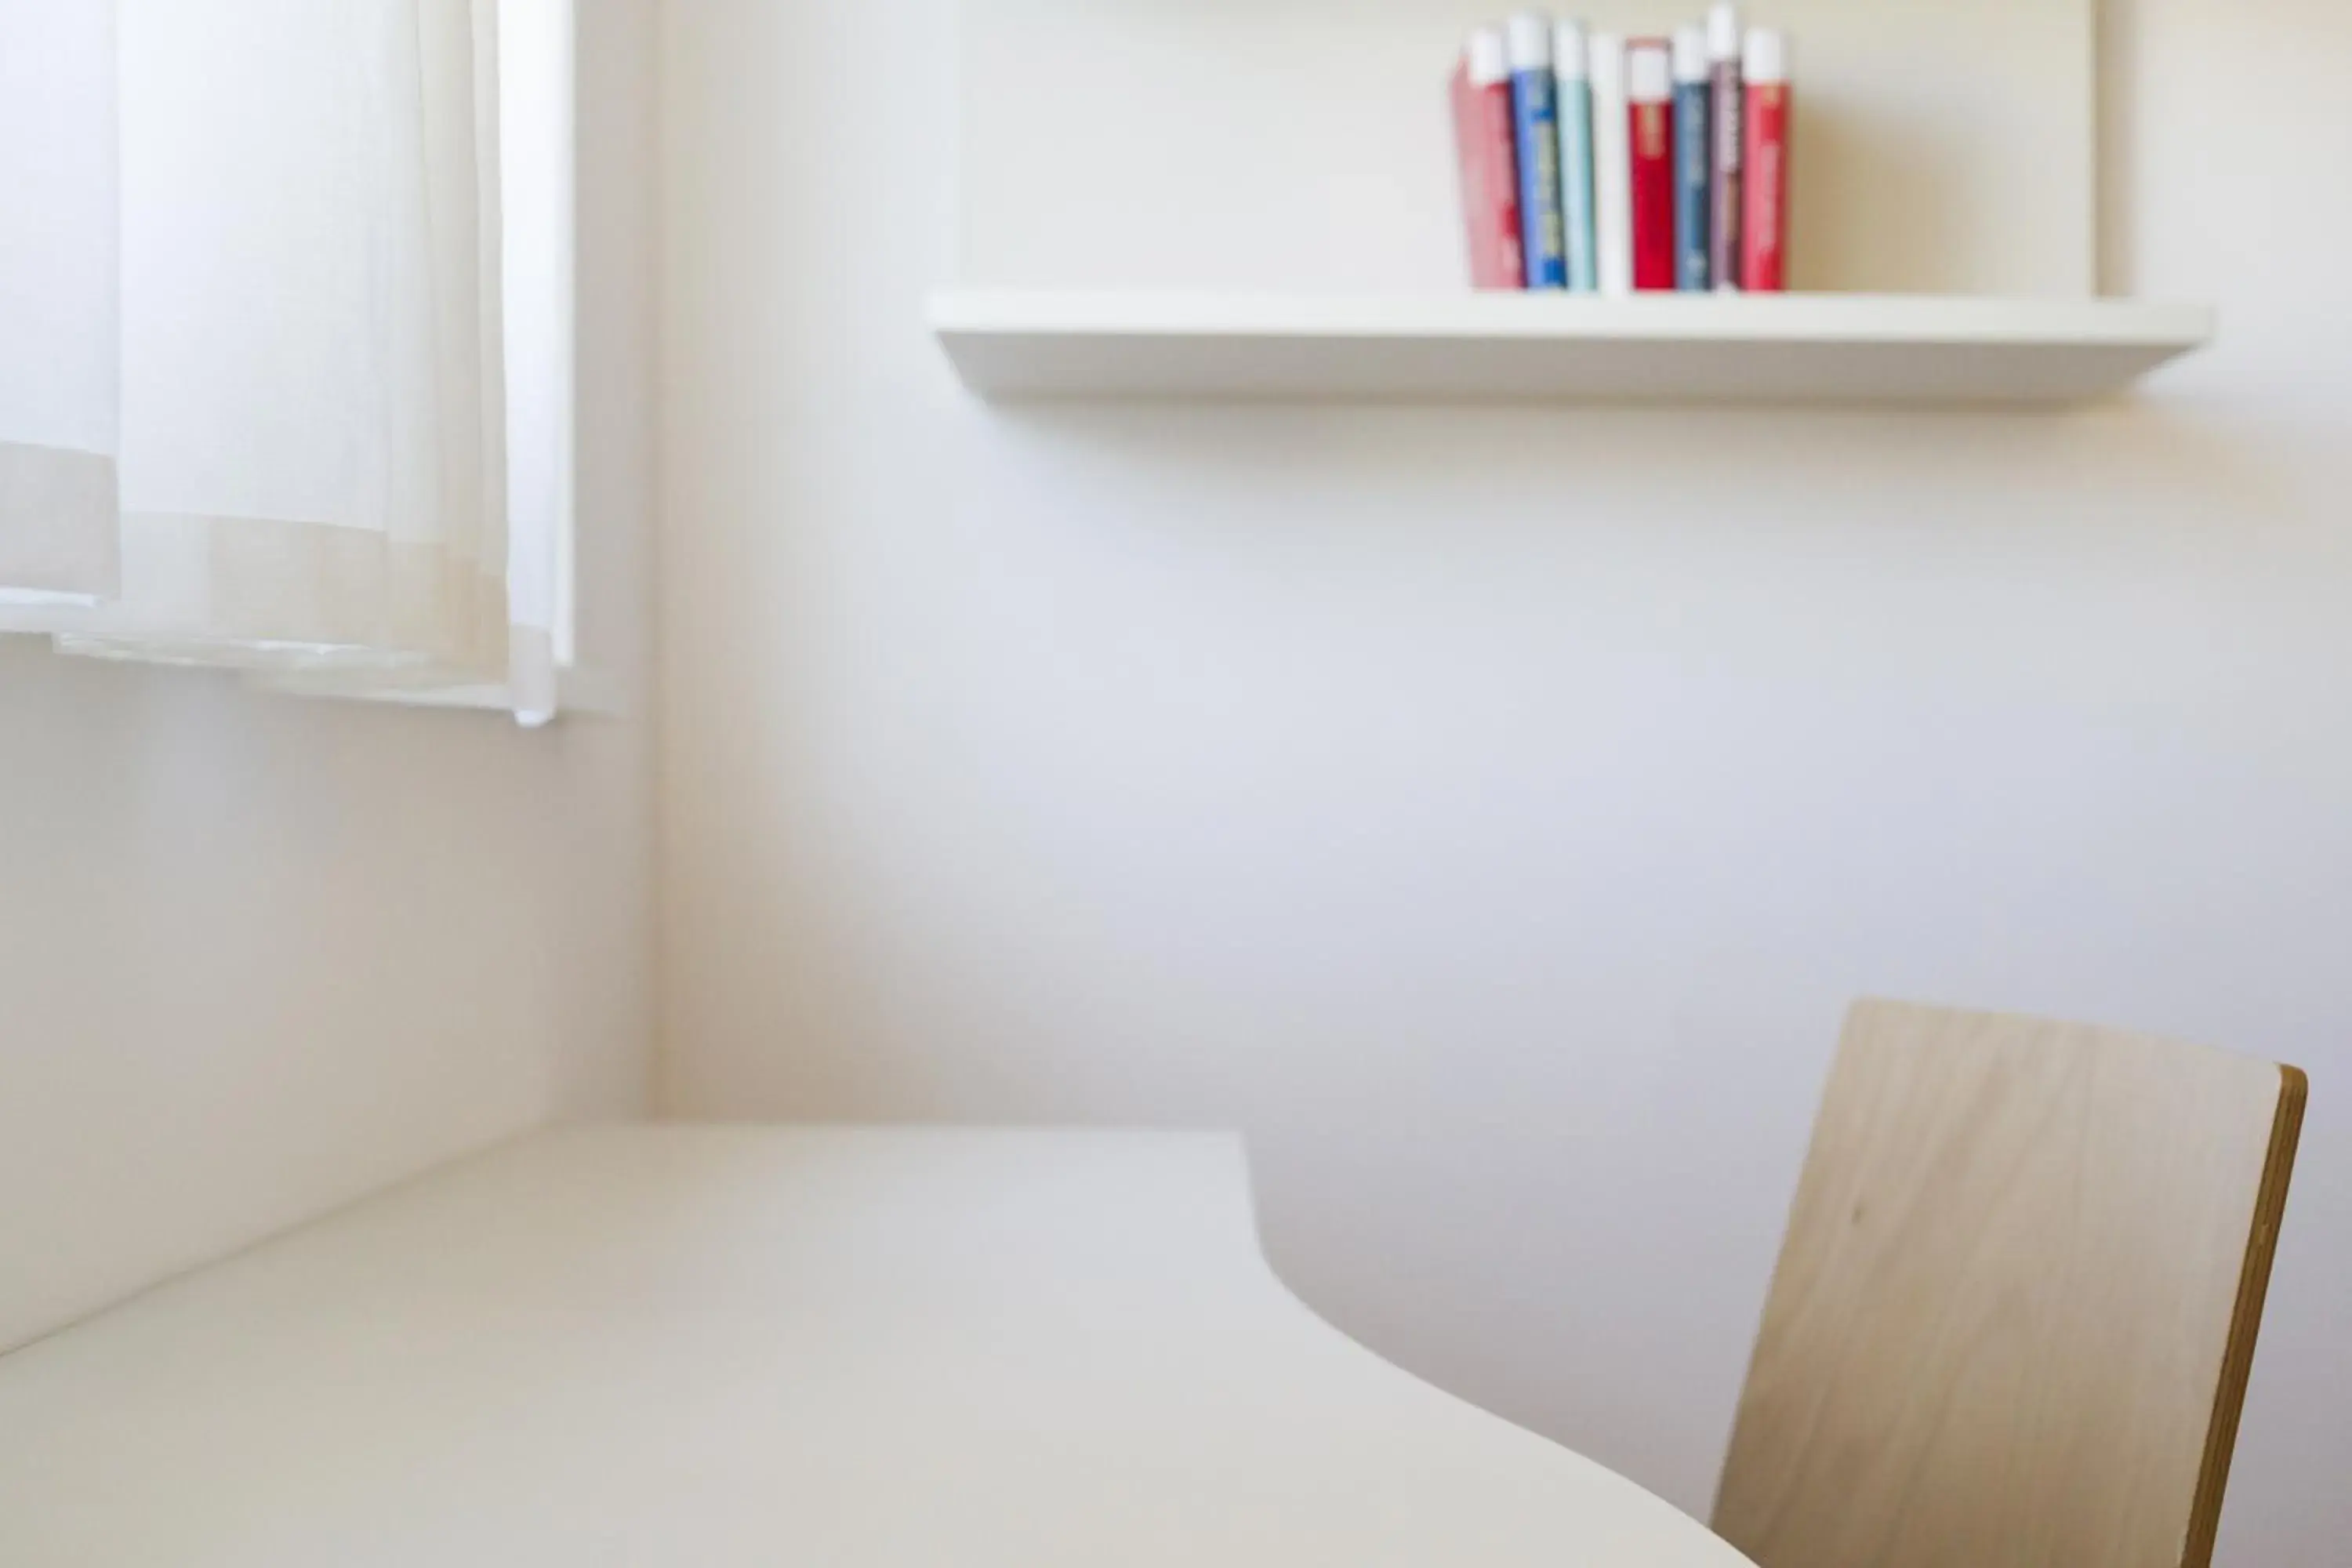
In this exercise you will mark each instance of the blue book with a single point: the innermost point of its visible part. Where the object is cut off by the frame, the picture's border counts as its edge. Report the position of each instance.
(1535, 109)
(1572, 66)
(1694, 164)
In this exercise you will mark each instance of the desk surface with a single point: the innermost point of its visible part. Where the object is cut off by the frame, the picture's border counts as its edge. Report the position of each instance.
(707, 1348)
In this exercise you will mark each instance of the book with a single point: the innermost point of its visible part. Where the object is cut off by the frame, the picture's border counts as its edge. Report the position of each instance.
(1764, 250)
(1694, 162)
(1613, 172)
(1487, 141)
(1650, 100)
(1573, 68)
(1534, 108)
(1730, 116)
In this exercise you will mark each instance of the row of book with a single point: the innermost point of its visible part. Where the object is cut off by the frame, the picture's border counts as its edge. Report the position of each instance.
(1599, 163)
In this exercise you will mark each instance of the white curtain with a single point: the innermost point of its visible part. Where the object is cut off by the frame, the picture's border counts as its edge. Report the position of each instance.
(59, 373)
(253, 377)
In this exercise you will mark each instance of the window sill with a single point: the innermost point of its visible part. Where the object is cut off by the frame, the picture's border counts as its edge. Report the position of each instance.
(579, 694)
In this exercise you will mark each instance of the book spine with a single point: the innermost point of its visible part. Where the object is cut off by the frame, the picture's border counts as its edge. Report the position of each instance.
(1535, 101)
(1490, 179)
(1730, 127)
(1572, 64)
(1613, 166)
(1650, 94)
(1764, 267)
(1694, 162)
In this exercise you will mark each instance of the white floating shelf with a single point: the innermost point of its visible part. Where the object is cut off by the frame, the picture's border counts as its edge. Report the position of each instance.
(1780, 349)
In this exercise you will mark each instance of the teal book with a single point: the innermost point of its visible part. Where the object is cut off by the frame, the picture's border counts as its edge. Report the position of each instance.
(1572, 62)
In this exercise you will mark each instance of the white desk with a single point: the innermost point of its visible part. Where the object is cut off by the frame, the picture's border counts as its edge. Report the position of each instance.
(710, 1348)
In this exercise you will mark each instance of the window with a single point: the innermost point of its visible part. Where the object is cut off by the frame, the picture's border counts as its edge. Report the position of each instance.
(293, 392)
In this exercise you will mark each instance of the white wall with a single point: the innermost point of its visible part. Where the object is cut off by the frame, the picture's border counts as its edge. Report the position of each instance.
(1494, 811)
(259, 957)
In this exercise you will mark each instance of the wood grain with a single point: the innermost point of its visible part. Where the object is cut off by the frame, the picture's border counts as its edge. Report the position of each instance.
(2016, 1308)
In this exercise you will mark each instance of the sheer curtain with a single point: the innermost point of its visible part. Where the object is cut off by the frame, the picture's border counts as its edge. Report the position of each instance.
(252, 395)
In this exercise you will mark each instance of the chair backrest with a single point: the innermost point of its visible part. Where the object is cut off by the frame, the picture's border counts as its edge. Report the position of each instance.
(2016, 1306)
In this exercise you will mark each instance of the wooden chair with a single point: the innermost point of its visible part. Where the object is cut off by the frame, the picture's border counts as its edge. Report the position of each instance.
(2016, 1306)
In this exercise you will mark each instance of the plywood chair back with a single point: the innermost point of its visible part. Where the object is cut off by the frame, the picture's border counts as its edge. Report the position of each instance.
(2016, 1307)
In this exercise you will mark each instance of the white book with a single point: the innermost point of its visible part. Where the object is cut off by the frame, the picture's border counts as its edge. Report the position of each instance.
(1612, 163)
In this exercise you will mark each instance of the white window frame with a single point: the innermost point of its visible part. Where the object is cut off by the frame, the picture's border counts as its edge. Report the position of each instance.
(537, 56)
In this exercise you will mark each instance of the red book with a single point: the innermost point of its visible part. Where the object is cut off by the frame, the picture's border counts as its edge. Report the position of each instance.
(1650, 94)
(1765, 247)
(1487, 139)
